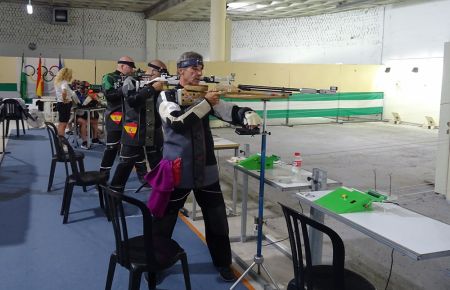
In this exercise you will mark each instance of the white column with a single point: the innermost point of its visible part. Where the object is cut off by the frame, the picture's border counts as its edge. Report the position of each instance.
(151, 35)
(217, 30)
(442, 177)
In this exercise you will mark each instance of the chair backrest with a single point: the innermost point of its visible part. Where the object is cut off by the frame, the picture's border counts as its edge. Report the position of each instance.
(53, 137)
(1, 111)
(115, 206)
(12, 109)
(65, 144)
(297, 225)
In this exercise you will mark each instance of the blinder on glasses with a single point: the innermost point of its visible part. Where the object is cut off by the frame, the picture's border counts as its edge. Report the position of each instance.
(158, 69)
(128, 63)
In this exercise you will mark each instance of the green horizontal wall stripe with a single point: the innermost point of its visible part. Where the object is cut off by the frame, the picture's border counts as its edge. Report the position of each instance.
(8, 87)
(322, 97)
(338, 112)
(337, 97)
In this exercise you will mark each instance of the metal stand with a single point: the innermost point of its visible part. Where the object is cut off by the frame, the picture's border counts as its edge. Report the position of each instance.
(259, 259)
(318, 182)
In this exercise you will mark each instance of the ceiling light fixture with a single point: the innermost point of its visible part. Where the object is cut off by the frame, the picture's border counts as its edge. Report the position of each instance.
(352, 4)
(235, 5)
(29, 7)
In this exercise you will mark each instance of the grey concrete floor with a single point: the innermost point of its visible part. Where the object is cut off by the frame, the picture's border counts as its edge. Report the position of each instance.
(403, 159)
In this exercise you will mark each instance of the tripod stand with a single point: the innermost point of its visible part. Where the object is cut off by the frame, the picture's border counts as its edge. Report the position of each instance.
(259, 259)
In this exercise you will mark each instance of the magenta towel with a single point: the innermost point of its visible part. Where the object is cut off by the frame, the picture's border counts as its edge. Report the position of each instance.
(162, 182)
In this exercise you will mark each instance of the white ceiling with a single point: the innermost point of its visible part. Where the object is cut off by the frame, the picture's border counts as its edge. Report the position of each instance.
(199, 10)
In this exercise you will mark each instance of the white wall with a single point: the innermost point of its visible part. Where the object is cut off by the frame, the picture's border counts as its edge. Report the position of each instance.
(414, 36)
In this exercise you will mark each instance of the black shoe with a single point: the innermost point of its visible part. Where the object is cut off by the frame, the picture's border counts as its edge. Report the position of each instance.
(95, 141)
(84, 145)
(226, 274)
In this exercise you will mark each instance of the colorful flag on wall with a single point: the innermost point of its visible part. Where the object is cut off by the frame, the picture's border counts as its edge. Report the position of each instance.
(23, 81)
(40, 80)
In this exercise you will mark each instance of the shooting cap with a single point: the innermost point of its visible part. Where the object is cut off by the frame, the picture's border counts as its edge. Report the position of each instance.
(190, 58)
(128, 63)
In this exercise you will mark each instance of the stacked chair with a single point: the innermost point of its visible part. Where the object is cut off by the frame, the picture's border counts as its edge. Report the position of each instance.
(79, 177)
(59, 155)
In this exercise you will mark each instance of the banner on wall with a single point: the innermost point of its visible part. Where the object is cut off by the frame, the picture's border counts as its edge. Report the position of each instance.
(49, 69)
(23, 81)
(39, 80)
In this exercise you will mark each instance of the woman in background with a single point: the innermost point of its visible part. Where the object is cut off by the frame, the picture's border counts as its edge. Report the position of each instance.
(88, 100)
(63, 97)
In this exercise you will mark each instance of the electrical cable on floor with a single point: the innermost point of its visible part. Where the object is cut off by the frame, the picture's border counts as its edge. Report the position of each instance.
(275, 242)
(390, 270)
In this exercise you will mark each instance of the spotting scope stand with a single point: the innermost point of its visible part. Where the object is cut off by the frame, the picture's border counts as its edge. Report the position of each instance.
(258, 259)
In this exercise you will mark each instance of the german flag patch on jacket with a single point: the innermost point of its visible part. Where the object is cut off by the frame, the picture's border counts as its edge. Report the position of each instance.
(131, 129)
(116, 117)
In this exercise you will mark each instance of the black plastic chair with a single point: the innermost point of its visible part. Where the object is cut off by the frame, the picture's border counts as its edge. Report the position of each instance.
(323, 277)
(142, 253)
(59, 155)
(13, 110)
(80, 178)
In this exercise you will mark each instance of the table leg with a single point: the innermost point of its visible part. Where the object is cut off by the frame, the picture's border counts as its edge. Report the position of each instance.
(236, 153)
(318, 182)
(315, 237)
(244, 208)
(88, 128)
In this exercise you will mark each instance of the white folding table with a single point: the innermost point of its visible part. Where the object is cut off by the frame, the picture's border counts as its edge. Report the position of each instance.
(417, 236)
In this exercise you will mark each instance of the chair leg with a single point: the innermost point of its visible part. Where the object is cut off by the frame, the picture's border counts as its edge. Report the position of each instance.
(111, 269)
(185, 266)
(7, 127)
(23, 127)
(52, 174)
(63, 203)
(81, 167)
(17, 128)
(134, 280)
(69, 192)
(100, 197)
(103, 202)
(151, 283)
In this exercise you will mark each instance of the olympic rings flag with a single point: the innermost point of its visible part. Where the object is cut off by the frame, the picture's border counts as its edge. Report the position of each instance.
(49, 69)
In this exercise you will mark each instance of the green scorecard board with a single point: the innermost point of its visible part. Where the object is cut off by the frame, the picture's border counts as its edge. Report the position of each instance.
(345, 200)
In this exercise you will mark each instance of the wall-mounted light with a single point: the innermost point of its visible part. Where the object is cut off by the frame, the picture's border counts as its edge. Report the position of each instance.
(415, 69)
(387, 70)
(29, 7)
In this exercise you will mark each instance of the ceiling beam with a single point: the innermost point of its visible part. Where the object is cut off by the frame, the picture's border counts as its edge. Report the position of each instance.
(161, 6)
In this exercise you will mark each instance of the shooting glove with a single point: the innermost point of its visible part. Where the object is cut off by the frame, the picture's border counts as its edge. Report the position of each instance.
(251, 118)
